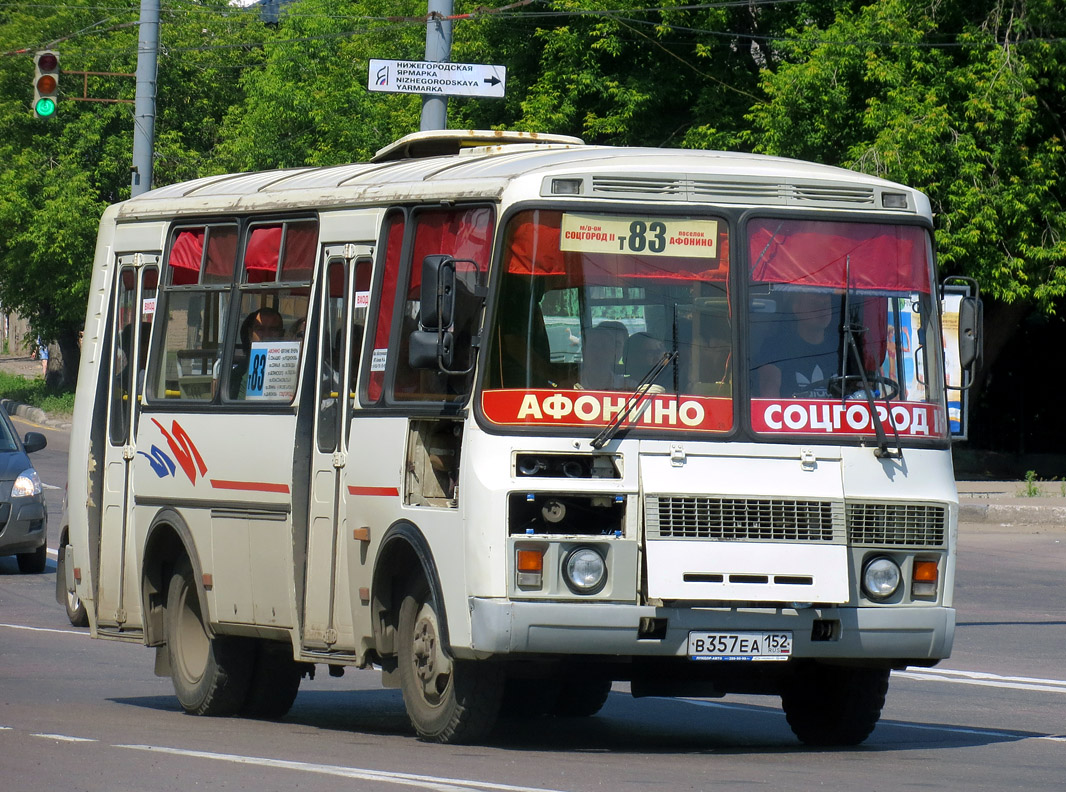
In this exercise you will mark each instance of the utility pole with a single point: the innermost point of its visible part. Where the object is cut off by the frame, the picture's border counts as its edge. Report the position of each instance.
(438, 50)
(144, 106)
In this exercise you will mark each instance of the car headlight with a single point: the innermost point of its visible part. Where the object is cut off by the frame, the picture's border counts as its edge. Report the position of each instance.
(584, 571)
(28, 483)
(881, 577)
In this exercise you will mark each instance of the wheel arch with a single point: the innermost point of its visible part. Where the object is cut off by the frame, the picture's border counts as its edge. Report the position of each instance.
(404, 554)
(168, 539)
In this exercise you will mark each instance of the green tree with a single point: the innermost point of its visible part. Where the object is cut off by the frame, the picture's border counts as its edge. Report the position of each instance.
(963, 100)
(58, 175)
(308, 104)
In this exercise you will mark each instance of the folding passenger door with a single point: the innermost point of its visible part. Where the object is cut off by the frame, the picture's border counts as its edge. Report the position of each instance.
(132, 312)
(343, 301)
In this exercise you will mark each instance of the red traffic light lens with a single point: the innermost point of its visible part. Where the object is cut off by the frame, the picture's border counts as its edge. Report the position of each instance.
(47, 62)
(47, 84)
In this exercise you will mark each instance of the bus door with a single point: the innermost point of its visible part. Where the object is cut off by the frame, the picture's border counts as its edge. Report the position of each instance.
(343, 307)
(132, 312)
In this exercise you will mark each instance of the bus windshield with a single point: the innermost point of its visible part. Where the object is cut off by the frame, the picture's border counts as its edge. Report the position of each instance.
(841, 317)
(590, 303)
(834, 325)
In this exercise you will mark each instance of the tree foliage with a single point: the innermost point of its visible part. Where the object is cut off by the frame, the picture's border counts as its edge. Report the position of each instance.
(59, 174)
(963, 100)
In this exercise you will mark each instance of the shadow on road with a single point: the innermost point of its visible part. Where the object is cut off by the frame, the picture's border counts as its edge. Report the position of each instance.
(624, 726)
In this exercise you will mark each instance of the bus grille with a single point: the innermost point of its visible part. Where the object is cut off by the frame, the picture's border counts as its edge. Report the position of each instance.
(743, 519)
(910, 524)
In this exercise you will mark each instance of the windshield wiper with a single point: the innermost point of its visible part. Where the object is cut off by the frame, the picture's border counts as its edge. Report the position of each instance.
(851, 328)
(639, 393)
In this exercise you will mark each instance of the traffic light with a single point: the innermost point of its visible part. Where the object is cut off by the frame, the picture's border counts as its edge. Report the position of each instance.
(45, 83)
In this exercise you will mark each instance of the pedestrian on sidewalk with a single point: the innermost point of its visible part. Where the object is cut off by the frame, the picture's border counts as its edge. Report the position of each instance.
(42, 355)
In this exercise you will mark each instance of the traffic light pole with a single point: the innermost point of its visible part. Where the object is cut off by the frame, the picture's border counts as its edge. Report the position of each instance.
(144, 105)
(438, 50)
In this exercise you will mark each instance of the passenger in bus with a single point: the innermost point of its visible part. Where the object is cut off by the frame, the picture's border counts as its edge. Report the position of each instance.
(799, 358)
(600, 354)
(643, 352)
(263, 324)
(297, 329)
(619, 335)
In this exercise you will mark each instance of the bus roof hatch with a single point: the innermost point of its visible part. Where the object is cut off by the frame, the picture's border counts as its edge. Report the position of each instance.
(449, 142)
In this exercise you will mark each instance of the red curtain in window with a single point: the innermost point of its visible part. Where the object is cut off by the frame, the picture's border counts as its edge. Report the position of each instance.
(301, 243)
(883, 257)
(463, 234)
(262, 254)
(221, 254)
(186, 256)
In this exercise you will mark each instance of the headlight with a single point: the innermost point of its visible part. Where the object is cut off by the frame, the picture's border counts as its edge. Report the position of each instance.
(28, 483)
(881, 578)
(584, 571)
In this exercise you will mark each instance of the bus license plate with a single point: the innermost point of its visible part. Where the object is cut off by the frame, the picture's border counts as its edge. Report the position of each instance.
(740, 646)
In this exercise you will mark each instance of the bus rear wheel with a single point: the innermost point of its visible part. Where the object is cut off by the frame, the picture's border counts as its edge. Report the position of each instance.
(834, 705)
(210, 674)
(447, 700)
(274, 682)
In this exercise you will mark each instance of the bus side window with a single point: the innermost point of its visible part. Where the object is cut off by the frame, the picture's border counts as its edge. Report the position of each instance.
(464, 233)
(197, 277)
(274, 291)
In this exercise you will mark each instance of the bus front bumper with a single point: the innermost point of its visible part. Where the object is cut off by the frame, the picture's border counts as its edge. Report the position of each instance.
(908, 634)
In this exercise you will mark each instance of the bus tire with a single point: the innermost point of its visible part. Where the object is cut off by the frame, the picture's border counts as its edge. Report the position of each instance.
(834, 705)
(581, 698)
(448, 701)
(274, 682)
(210, 674)
(76, 613)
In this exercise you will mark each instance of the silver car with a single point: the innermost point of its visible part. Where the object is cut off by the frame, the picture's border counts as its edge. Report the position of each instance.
(23, 514)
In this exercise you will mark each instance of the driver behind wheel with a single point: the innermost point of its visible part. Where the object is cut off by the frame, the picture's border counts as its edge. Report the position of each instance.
(803, 352)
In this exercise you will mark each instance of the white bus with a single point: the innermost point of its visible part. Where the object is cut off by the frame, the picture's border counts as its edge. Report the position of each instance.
(513, 418)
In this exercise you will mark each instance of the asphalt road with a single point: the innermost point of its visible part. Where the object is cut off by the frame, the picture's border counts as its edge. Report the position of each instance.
(78, 714)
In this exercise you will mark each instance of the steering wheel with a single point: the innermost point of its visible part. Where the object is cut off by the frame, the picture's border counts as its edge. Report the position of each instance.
(848, 384)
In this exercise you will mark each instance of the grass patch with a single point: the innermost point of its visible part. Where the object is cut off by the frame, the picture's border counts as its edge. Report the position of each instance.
(1031, 490)
(36, 393)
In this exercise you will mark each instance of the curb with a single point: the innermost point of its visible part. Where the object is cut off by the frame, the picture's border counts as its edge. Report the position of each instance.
(35, 414)
(1000, 514)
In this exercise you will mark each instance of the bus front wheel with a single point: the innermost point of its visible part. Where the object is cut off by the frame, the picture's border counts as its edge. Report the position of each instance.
(210, 674)
(447, 700)
(834, 705)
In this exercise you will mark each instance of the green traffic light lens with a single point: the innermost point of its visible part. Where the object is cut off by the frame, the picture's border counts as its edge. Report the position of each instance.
(45, 107)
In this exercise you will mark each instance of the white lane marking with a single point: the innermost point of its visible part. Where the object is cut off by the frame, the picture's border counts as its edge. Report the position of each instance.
(987, 675)
(407, 779)
(53, 553)
(979, 732)
(43, 629)
(63, 737)
(984, 680)
(49, 486)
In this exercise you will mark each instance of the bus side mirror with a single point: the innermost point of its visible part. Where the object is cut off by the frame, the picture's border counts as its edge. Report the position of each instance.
(432, 345)
(971, 320)
(429, 349)
(438, 293)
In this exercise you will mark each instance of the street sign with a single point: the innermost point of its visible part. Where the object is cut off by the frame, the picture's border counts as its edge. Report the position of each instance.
(445, 79)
